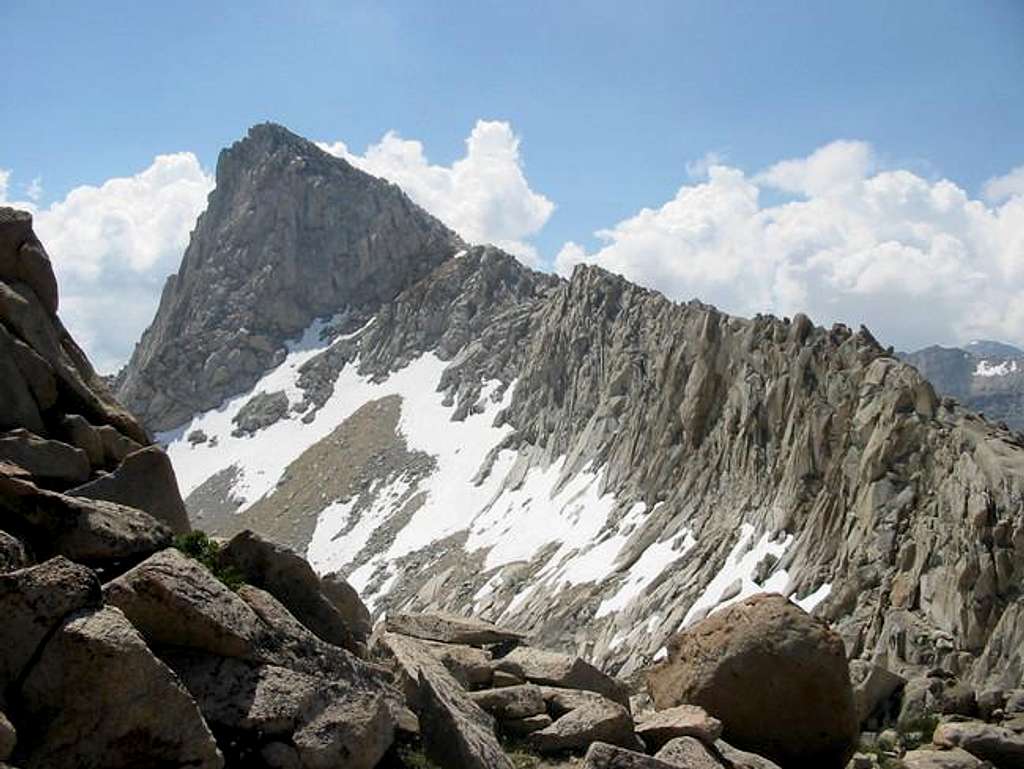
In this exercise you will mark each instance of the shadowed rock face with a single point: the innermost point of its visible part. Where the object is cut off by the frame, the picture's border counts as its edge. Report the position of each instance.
(290, 234)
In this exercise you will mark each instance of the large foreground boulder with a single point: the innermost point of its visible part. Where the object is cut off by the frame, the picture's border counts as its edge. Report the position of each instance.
(175, 602)
(554, 669)
(33, 602)
(291, 580)
(601, 720)
(776, 677)
(657, 728)
(49, 461)
(989, 742)
(689, 752)
(144, 480)
(89, 531)
(455, 730)
(325, 722)
(97, 697)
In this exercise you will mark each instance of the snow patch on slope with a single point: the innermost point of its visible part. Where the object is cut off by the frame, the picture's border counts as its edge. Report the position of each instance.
(261, 458)
(987, 369)
(740, 566)
(647, 568)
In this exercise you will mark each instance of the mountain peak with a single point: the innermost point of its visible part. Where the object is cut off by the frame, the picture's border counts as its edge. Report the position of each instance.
(290, 234)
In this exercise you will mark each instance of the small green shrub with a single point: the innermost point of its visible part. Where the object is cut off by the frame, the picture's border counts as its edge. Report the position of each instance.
(520, 753)
(197, 545)
(413, 757)
(918, 732)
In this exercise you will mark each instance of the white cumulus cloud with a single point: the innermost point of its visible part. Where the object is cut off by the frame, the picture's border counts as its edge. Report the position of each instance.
(919, 261)
(484, 195)
(114, 245)
(1006, 186)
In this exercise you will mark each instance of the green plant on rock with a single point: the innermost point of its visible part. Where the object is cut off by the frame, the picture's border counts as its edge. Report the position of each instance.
(520, 753)
(198, 546)
(412, 756)
(918, 731)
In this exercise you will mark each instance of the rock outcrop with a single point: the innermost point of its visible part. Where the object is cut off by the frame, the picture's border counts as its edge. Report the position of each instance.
(120, 651)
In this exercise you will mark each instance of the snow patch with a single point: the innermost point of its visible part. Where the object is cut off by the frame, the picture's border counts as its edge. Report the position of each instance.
(647, 568)
(809, 603)
(740, 565)
(1003, 368)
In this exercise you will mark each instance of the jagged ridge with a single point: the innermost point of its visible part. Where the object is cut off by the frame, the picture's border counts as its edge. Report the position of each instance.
(708, 456)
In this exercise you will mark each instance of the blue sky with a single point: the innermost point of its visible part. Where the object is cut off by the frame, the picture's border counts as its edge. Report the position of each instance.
(612, 103)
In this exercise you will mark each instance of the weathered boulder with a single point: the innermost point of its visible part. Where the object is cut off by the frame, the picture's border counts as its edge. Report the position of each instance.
(455, 731)
(350, 606)
(562, 670)
(98, 697)
(174, 601)
(510, 702)
(116, 445)
(873, 685)
(604, 756)
(49, 461)
(930, 758)
(560, 701)
(352, 732)
(927, 695)
(33, 602)
(330, 722)
(741, 759)
(503, 678)
(603, 721)
(450, 628)
(657, 728)
(79, 433)
(688, 752)
(24, 259)
(8, 737)
(144, 480)
(521, 727)
(472, 667)
(90, 531)
(12, 553)
(290, 579)
(776, 677)
(1001, 746)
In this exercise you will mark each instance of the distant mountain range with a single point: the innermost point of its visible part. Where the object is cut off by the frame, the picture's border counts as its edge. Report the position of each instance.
(986, 376)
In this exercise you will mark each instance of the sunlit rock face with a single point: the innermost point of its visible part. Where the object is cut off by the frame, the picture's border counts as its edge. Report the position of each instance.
(582, 459)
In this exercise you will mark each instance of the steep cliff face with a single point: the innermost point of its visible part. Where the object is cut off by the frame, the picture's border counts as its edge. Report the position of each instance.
(290, 234)
(592, 462)
(987, 377)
